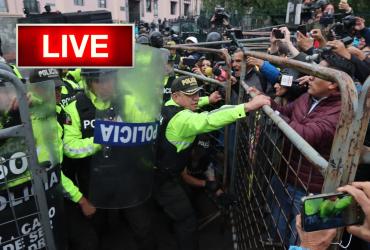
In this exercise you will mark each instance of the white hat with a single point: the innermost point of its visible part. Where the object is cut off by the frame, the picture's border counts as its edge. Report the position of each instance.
(191, 39)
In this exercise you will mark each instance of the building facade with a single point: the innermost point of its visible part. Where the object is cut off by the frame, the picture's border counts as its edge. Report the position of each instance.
(123, 11)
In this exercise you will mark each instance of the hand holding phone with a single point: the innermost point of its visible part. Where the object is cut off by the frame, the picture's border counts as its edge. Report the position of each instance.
(331, 210)
(361, 193)
(314, 240)
(278, 34)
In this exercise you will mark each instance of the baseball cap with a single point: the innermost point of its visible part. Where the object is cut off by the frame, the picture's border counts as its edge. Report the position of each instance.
(41, 75)
(171, 43)
(191, 39)
(185, 84)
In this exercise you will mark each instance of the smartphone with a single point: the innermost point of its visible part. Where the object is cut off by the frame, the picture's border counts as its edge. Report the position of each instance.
(330, 210)
(278, 34)
(302, 29)
(189, 62)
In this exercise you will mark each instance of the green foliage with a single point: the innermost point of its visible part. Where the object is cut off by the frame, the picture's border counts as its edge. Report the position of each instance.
(273, 7)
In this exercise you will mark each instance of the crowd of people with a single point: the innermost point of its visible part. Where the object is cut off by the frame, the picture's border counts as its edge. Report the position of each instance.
(309, 104)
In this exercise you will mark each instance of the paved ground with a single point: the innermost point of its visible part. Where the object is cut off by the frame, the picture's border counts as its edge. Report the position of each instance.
(215, 236)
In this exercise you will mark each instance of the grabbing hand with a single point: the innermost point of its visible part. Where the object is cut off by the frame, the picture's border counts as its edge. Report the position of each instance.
(215, 97)
(252, 61)
(254, 91)
(257, 102)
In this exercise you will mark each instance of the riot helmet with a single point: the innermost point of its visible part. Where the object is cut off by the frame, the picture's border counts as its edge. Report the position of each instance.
(143, 39)
(156, 39)
(101, 82)
(213, 37)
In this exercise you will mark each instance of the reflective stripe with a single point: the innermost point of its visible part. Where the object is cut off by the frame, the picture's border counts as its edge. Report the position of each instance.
(89, 149)
(180, 143)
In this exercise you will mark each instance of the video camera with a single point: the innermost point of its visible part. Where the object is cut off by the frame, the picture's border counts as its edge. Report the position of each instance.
(343, 29)
(220, 15)
(324, 52)
(308, 12)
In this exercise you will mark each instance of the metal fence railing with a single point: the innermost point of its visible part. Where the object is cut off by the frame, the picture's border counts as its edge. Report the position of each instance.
(25, 216)
(274, 166)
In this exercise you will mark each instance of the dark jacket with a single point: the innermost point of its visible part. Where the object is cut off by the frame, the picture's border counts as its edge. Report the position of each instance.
(317, 128)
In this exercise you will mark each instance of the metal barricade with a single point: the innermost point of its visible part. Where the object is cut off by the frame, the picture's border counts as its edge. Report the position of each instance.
(274, 166)
(20, 229)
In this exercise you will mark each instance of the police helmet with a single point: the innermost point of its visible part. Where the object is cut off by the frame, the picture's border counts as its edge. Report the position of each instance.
(96, 72)
(156, 39)
(143, 39)
(213, 37)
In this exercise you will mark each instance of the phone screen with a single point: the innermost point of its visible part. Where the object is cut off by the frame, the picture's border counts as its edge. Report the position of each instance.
(330, 211)
(278, 34)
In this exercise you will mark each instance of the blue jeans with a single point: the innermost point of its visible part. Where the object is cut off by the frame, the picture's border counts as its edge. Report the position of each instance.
(285, 204)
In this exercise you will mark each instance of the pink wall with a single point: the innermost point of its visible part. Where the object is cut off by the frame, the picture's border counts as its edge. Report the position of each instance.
(119, 8)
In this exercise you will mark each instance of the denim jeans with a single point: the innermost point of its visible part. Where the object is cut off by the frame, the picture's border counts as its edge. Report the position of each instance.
(282, 204)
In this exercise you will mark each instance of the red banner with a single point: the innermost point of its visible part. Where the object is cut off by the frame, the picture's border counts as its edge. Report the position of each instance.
(55, 45)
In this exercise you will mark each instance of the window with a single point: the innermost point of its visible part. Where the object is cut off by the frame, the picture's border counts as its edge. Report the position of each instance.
(186, 9)
(173, 8)
(79, 2)
(3, 6)
(155, 6)
(31, 6)
(102, 3)
(148, 5)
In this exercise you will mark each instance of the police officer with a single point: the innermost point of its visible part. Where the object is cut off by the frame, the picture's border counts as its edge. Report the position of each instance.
(76, 202)
(156, 39)
(180, 125)
(72, 84)
(79, 146)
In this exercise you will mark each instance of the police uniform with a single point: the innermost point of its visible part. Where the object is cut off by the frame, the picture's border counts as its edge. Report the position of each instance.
(179, 129)
(72, 86)
(13, 119)
(74, 220)
(79, 147)
(167, 87)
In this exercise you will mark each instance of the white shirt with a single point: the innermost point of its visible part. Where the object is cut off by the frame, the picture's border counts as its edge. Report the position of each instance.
(315, 102)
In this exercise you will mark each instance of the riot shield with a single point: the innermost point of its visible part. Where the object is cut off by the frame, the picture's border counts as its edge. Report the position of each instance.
(121, 173)
(20, 223)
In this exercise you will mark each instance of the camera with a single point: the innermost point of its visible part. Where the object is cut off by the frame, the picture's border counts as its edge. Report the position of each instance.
(327, 51)
(190, 62)
(278, 34)
(343, 29)
(307, 12)
(220, 15)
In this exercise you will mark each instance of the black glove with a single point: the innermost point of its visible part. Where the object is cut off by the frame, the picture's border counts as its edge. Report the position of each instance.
(212, 186)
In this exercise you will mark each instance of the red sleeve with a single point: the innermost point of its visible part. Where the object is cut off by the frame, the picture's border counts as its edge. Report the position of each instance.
(316, 132)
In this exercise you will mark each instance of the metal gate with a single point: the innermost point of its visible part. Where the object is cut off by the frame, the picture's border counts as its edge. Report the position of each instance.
(269, 154)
